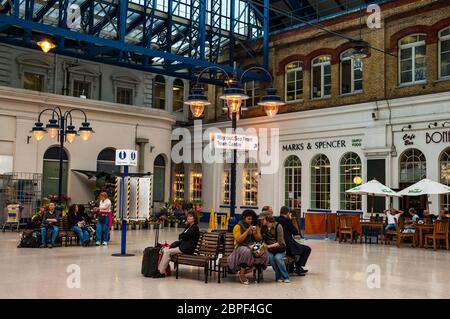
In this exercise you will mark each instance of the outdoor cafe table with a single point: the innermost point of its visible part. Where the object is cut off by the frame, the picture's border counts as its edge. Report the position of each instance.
(372, 224)
(423, 229)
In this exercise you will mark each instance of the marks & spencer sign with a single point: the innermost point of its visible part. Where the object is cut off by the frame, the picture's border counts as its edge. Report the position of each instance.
(319, 145)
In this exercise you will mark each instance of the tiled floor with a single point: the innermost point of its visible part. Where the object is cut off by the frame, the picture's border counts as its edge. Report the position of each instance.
(335, 271)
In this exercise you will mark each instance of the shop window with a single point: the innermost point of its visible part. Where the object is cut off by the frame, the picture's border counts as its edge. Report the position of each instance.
(253, 90)
(159, 174)
(178, 182)
(444, 53)
(413, 166)
(294, 81)
(292, 182)
(106, 161)
(33, 81)
(320, 182)
(321, 77)
(81, 88)
(444, 164)
(350, 176)
(159, 93)
(226, 183)
(412, 59)
(178, 95)
(196, 183)
(351, 74)
(250, 183)
(50, 171)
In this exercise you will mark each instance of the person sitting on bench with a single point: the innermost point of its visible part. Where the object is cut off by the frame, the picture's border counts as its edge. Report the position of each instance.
(78, 225)
(50, 221)
(298, 251)
(186, 244)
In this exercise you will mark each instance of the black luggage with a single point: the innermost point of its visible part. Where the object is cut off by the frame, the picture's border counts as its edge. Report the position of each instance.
(151, 258)
(30, 239)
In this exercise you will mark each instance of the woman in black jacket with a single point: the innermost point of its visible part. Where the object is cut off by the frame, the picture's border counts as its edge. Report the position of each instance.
(186, 244)
(78, 225)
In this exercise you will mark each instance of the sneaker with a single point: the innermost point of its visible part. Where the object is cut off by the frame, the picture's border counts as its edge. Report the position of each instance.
(243, 279)
(286, 281)
(43, 246)
(300, 273)
(50, 246)
(97, 243)
(105, 243)
(280, 280)
(304, 271)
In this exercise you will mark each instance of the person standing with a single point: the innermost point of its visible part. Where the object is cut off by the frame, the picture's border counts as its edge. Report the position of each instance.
(50, 221)
(273, 236)
(293, 248)
(104, 211)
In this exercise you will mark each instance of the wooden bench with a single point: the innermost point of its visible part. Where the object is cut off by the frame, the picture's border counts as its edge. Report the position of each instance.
(204, 256)
(65, 233)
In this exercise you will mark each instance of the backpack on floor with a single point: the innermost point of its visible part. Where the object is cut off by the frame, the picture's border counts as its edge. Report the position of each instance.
(30, 239)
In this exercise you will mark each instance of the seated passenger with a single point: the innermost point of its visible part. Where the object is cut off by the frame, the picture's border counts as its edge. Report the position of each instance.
(242, 259)
(299, 251)
(273, 236)
(50, 222)
(78, 225)
(392, 215)
(411, 228)
(186, 244)
(36, 220)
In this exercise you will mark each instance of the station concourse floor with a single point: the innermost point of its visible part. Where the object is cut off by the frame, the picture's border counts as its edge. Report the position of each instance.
(335, 271)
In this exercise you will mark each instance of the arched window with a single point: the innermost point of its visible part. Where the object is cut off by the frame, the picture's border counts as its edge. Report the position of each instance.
(250, 183)
(294, 81)
(351, 74)
(350, 176)
(106, 161)
(196, 182)
(412, 59)
(226, 183)
(292, 182)
(321, 77)
(159, 174)
(444, 53)
(413, 166)
(159, 92)
(444, 163)
(320, 182)
(178, 182)
(178, 95)
(50, 171)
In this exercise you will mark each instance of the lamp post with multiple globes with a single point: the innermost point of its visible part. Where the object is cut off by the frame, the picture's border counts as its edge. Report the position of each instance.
(233, 96)
(61, 126)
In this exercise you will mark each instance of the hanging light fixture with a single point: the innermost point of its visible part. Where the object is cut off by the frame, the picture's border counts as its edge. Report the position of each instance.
(38, 131)
(197, 101)
(233, 96)
(71, 134)
(85, 131)
(357, 180)
(360, 50)
(271, 102)
(52, 128)
(46, 45)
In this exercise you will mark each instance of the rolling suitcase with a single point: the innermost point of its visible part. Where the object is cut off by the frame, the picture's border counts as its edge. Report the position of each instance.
(151, 258)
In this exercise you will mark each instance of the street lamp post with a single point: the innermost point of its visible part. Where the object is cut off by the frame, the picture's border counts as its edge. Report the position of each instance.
(61, 126)
(233, 96)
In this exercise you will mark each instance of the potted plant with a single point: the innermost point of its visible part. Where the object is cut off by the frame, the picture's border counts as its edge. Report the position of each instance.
(171, 219)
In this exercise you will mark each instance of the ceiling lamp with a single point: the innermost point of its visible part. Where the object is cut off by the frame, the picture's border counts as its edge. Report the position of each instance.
(46, 45)
(360, 49)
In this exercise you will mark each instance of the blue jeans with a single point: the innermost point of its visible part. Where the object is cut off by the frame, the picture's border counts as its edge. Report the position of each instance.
(390, 227)
(55, 230)
(82, 234)
(278, 265)
(102, 230)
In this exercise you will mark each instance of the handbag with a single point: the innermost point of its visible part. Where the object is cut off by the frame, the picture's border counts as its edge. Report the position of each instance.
(280, 248)
(258, 249)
